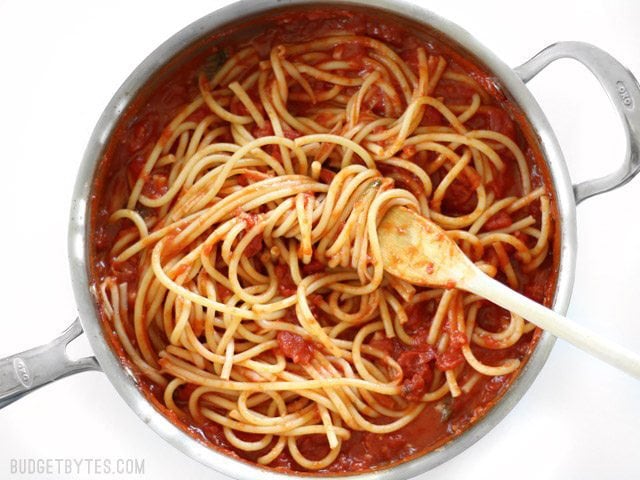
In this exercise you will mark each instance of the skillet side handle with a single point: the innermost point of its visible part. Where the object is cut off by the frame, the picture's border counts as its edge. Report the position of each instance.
(623, 91)
(24, 372)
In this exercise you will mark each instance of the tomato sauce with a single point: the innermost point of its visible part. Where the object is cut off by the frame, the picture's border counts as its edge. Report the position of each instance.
(441, 421)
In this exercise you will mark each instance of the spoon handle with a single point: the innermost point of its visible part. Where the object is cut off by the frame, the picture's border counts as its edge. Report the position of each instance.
(545, 318)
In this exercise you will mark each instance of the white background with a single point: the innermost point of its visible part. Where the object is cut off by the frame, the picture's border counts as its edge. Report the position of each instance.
(60, 63)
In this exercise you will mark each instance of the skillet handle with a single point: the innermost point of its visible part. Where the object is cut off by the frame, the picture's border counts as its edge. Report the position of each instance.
(24, 372)
(623, 91)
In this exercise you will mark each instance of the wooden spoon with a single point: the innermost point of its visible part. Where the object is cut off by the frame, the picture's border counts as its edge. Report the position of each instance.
(420, 252)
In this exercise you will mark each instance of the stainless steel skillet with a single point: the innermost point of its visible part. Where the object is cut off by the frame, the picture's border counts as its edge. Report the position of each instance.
(24, 372)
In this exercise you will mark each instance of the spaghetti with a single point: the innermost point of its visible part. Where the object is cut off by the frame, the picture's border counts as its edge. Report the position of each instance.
(244, 275)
